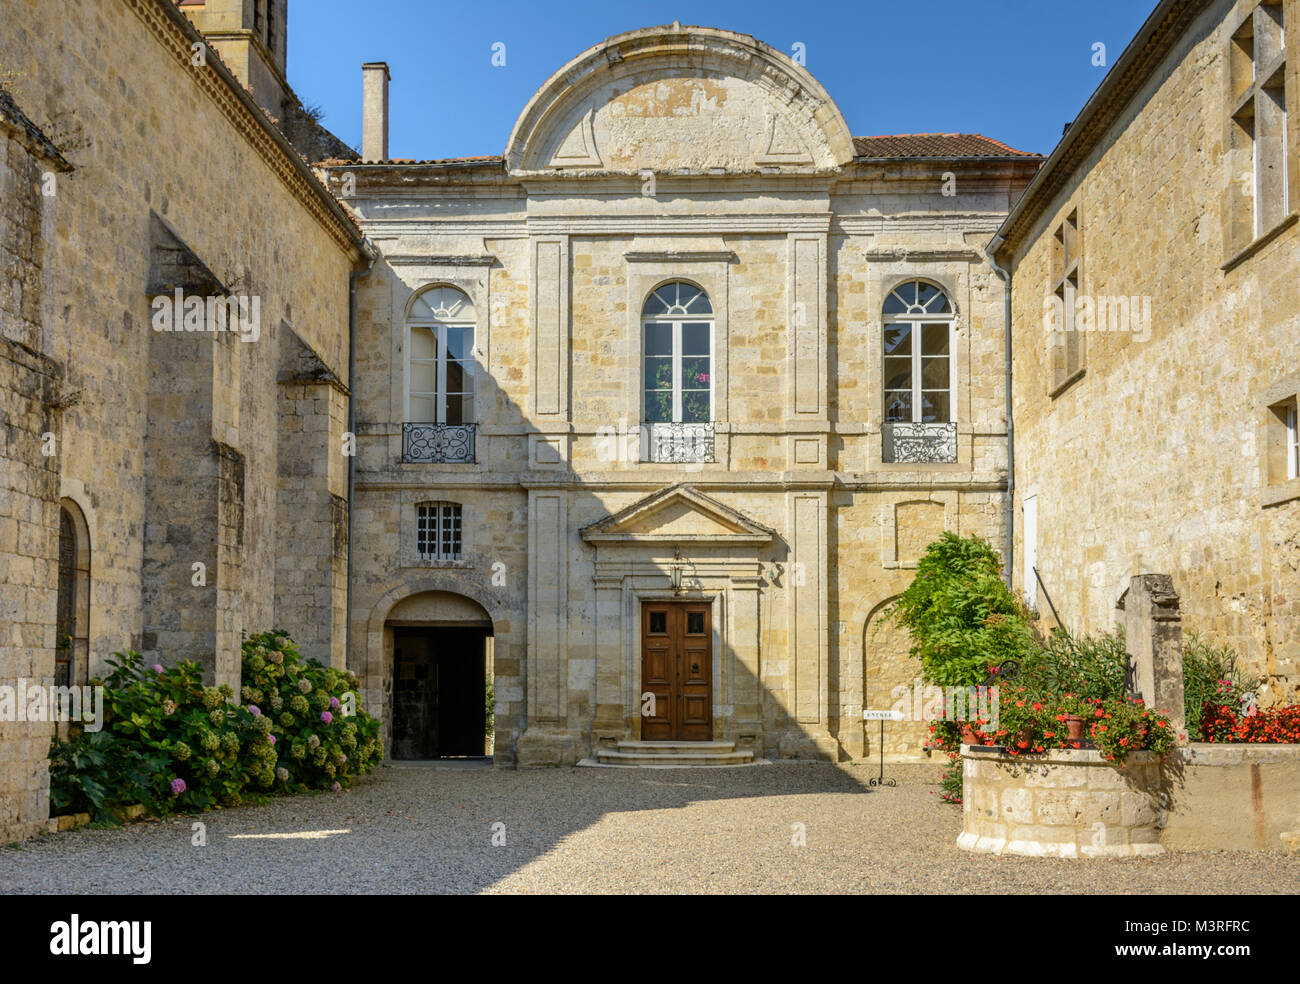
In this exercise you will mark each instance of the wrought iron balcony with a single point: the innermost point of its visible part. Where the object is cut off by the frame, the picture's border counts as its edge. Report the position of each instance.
(438, 443)
(679, 443)
(929, 444)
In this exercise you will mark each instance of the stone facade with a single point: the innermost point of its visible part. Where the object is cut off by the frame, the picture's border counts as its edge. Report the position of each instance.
(29, 483)
(792, 527)
(172, 448)
(1159, 448)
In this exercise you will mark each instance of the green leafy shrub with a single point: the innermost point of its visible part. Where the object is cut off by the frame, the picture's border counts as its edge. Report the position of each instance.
(173, 744)
(962, 617)
(1210, 676)
(1088, 666)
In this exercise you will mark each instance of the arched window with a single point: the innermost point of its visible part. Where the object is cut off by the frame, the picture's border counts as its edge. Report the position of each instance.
(918, 383)
(677, 328)
(437, 530)
(72, 618)
(440, 358)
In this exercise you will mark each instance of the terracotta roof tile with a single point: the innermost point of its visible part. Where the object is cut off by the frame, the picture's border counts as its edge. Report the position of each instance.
(934, 145)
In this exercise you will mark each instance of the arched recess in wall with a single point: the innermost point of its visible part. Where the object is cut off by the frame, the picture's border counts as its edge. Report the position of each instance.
(72, 634)
(889, 677)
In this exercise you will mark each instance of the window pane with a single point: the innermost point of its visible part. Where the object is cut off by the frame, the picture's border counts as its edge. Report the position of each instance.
(699, 304)
(695, 407)
(934, 339)
(460, 344)
(659, 623)
(898, 339)
(898, 373)
(898, 405)
(901, 298)
(695, 373)
(934, 374)
(424, 377)
(457, 377)
(932, 299)
(442, 304)
(658, 338)
(695, 338)
(423, 344)
(935, 407)
(659, 301)
(460, 408)
(424, 530)
(695, 623)
(658, 406)
(422, 409)
(659, 373)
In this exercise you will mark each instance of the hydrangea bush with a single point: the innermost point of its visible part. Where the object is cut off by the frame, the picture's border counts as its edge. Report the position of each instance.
(311, 714)
(173, 744)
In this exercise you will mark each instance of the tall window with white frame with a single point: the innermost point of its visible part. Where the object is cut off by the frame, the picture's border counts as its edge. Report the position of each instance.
(1292, 443)
(919, 424)
(677, 373)
(1065, 340)
(440, 378)
(437, 531)
(1258, 141)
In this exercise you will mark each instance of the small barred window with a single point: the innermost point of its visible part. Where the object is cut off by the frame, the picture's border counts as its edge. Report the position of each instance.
(437, 530)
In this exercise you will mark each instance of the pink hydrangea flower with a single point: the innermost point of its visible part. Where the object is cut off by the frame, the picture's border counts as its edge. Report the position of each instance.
(326, 716)
(334, 703)
(254, 710)
(157, 667)
(178, 786)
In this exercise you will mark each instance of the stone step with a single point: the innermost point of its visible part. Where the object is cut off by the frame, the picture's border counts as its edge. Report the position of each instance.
(666, 760)
(674, 747)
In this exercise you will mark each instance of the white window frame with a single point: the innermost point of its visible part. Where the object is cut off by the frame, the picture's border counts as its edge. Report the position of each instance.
(446, 518)
(469, 362)
(677, 321)
(1292, 442)
(915, 321)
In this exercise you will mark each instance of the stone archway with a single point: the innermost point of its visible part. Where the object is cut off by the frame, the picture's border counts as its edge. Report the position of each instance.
(442, 650)
(890, 676)
(452, 601)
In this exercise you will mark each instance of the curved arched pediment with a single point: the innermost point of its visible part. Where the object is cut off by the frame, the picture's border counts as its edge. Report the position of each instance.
(669, 98)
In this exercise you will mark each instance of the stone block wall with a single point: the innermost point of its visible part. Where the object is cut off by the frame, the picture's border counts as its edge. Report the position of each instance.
(1157, 458)
(1234, 797)
(260, 227)
(29, 550)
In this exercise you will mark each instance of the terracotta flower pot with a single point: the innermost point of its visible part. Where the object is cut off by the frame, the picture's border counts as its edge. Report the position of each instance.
(970, 736)
(1074, 727)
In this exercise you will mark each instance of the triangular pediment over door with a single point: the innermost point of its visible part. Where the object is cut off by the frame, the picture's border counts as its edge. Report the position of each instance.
(678, 514)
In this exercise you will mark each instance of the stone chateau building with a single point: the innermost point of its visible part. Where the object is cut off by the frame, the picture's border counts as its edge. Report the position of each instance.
(650, 416)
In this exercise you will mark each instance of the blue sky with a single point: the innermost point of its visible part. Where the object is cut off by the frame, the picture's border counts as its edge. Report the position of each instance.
(1015, 70)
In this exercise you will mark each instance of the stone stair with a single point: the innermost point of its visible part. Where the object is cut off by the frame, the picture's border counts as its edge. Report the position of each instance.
(672, 755)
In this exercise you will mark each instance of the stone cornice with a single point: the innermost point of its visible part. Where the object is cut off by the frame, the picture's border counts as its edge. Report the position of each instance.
(176, 34)
(439, 260)
(662, 225)
(681, 256)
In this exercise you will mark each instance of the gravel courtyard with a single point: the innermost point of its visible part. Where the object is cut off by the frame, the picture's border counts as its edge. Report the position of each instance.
(415, 828)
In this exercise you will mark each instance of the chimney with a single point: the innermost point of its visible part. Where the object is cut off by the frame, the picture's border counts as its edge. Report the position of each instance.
(374, 111)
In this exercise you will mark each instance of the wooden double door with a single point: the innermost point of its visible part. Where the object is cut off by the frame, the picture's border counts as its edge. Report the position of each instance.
(676, 671)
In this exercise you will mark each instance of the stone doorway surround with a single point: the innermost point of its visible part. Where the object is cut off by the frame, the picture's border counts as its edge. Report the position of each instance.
(716, 550)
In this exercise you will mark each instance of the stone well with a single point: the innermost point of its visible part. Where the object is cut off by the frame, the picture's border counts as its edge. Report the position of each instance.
(1064, 803)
